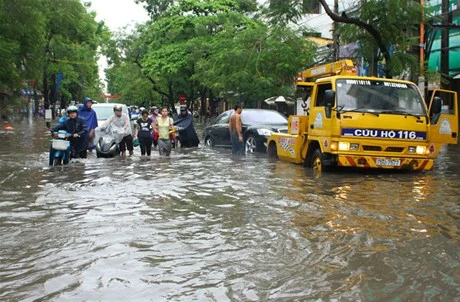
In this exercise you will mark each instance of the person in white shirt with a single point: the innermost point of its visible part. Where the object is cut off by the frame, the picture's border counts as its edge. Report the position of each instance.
(120, 123)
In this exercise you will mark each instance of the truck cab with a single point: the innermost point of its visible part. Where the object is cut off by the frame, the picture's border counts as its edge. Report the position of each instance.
(368, 122)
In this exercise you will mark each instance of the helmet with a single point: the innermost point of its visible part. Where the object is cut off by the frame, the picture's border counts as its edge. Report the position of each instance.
(183, 107)
(72, 109)
(117, 107)
(154, 108)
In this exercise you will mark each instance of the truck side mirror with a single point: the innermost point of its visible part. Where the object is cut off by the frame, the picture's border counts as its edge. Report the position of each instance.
(436, 106)
(329, 100)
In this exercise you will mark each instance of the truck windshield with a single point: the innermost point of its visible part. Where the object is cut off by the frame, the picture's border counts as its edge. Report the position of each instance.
(379, 96)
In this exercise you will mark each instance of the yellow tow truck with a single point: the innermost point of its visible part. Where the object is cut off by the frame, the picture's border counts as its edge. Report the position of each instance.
(365, 122)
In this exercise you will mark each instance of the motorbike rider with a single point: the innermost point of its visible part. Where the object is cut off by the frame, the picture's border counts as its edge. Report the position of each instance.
(121, 124)
(78, 130)
(186, 130)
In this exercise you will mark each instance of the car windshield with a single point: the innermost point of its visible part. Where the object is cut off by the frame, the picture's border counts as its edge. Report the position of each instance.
(263, 117)
(104, 112)
(379, 96)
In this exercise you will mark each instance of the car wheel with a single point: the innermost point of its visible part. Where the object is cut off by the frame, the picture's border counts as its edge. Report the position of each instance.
(251, 144)
(272, 151)
(209, 142)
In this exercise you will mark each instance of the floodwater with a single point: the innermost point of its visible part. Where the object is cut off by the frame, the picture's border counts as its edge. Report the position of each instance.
(203, 226)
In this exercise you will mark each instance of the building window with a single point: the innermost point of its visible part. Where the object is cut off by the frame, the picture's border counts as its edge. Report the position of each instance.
(311, 6)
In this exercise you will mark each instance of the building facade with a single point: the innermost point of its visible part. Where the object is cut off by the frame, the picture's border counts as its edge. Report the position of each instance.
(442, 48)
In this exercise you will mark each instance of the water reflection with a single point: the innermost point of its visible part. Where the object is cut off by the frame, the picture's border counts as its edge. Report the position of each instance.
(204, 226)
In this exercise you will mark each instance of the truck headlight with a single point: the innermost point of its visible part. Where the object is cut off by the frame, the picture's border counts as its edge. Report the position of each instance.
(420, 150)
(344, 146)
(264, 132)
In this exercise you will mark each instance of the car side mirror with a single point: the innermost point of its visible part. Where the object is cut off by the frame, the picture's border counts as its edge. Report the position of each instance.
(329, 100)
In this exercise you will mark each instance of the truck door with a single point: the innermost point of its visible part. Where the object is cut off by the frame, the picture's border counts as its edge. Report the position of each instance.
(320, 121)
(443, 112)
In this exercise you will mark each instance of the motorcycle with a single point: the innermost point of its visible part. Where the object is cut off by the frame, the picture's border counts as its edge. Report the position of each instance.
(107, 142)
(60, 148)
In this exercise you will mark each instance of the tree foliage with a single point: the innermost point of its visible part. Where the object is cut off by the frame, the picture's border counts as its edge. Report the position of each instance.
(41, 38)
(215, 49)
(384, 29)
(382, 35)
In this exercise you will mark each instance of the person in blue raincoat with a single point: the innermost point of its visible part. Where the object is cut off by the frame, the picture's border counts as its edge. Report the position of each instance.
(186, 130)
(90, 117)
(76, 126)
(64, 116)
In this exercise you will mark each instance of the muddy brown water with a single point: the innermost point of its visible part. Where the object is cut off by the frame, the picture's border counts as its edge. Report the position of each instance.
(203, 226)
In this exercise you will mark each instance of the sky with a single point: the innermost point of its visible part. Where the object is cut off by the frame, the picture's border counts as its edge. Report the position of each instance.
(117, 14)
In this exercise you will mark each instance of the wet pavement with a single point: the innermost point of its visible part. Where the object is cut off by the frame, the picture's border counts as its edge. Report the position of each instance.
(204, 226)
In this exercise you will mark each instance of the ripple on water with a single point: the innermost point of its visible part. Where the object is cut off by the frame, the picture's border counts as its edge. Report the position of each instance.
(204, 226)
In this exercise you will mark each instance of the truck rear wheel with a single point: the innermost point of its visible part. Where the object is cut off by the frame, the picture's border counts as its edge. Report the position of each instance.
(272, 152)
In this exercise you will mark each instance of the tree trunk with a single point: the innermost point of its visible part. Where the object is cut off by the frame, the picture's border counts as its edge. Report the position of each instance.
(46, 90)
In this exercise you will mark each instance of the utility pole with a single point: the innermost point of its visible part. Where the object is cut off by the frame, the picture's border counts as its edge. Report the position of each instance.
(446, 20)
(421, 78)
(335, 34)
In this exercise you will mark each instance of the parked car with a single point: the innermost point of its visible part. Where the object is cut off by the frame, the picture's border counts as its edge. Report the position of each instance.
(258, 124)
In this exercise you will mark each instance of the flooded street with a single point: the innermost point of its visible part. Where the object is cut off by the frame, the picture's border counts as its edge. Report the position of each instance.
(203, 226)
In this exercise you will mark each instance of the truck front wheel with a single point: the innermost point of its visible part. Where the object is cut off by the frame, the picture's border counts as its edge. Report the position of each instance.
(317, 161)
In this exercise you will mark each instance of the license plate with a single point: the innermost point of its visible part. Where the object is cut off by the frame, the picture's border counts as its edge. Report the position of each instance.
(388, 162)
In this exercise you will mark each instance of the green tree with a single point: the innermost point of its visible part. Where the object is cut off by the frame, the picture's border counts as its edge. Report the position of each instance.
(20, 49)
(125, 75)
(255, 63)
(42, 38)
(217, 49)
(382, 36)
(71, 45)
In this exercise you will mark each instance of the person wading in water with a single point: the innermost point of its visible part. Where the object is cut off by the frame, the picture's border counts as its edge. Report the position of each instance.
(235, 126)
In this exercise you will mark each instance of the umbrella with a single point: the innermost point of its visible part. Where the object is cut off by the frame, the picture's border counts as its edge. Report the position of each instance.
(279, 99)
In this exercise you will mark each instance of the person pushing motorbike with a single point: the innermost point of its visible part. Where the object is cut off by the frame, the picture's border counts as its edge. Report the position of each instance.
(78, 130)
(186, 130)
(121, 124)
